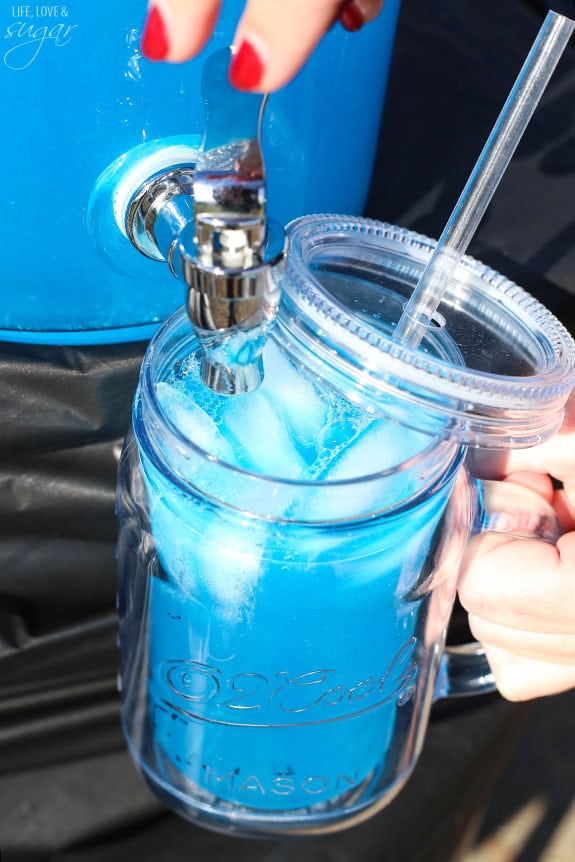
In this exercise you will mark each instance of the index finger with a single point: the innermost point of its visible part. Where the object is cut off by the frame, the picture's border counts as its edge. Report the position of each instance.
(526, 584)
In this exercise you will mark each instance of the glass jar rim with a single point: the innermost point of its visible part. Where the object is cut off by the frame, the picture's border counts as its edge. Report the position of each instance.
(174, 453)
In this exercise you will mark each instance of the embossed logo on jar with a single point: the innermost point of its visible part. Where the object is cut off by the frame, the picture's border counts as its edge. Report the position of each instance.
(202, 691)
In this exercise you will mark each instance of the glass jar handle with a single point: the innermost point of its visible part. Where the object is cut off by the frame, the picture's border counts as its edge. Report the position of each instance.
(464, 669)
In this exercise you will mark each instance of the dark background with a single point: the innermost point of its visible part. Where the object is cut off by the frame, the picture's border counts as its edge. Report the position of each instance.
(68, 790)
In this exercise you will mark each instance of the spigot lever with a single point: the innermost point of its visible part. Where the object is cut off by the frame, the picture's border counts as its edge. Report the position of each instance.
(229, 179)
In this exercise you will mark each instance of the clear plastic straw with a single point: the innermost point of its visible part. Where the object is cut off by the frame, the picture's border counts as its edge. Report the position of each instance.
(489, 168)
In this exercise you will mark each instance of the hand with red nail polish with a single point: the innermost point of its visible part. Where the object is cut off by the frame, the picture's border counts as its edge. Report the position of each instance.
(272, 42)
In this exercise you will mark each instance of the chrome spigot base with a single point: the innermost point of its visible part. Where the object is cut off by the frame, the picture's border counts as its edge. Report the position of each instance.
(232, 379)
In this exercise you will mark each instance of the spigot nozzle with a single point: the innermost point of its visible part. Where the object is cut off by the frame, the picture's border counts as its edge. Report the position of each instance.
(232, 311)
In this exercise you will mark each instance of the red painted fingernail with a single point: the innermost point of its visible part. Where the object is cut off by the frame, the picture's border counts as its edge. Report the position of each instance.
(246, 68)
(351, 18)
(155, 44)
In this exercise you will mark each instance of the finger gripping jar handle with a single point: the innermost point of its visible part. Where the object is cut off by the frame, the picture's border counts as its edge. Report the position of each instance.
(502, 507)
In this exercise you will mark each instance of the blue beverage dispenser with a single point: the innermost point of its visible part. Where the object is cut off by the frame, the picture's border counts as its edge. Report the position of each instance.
(89, 119)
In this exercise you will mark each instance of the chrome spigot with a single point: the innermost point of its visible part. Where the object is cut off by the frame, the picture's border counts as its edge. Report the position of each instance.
(233, 298)
(223, 245)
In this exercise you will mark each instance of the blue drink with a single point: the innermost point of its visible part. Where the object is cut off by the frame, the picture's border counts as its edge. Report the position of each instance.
(282, 612)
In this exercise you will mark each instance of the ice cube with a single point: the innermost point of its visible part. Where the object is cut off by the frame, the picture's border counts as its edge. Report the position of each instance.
(193, 422)
(231, 570)
(257, 431)
(380, 445)
(374, 448)
(207, 557)
(304, 407)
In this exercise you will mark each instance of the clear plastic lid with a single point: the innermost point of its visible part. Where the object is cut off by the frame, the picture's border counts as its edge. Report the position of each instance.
(494, 368)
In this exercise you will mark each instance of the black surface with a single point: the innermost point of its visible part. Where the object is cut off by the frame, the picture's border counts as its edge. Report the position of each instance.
(67, 788)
